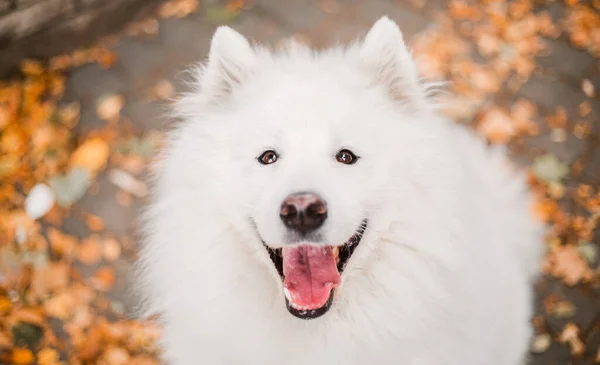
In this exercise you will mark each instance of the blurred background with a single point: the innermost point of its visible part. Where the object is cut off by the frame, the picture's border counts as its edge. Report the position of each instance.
(85, 86)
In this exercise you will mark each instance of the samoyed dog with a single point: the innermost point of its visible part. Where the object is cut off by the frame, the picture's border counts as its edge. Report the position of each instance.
(312, 208)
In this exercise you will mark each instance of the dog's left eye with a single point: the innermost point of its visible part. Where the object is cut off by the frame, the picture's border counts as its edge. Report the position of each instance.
(346, 157)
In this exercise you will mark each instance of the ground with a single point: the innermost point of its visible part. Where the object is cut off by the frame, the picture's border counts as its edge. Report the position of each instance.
(78, 132)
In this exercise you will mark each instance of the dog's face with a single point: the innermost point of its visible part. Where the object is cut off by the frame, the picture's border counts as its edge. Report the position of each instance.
(303, 151)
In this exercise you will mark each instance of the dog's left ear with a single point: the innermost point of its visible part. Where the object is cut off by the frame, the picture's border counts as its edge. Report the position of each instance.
(385, 55)
(230, 60)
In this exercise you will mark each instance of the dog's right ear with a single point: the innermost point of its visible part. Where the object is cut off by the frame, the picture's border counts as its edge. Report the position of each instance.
(386, 56)
(231, 59)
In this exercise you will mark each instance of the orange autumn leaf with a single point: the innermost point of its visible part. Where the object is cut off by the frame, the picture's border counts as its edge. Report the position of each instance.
(60, 306)
(32, 68)
(104, 279)
(565, 262)
(88, 251)
(570, 335)
(584, 109)
(28, 315)
(109, 107)
(497, 126)
(523, 113)
(178, 8)
(107, 59)
(48, 356)
(115, 356)
(94, 223)
(544, 209)
(61, 243)
(5, 305)
(21, 356)
(92, 345)
(92, 155)
(111, 249)
(52, 278)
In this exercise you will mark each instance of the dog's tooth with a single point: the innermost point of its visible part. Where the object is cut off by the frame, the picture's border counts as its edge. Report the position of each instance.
(335, 251)
(287, 294)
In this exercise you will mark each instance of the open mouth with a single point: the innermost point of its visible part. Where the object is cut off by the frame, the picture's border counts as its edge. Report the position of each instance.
(310, 273)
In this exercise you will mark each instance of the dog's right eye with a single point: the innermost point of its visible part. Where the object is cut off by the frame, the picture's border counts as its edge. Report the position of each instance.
(268, 157)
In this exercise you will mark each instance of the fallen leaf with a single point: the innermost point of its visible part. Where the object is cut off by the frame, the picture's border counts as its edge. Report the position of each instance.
(109, 107)
(147, 27)
(549, 168)
(91, 346)
(558, 135)
(497, 126)
(163, 90)
(92, 155)
(5, 305)
(558, 307)
(588, 88)
(21, 356)
(48, 356)
(32, 68)
(115, 356)
(570, 335)
(584, 109)
(72, 187)
(33, 316)
(582, 130)
(541, 343)
(177, 8)
(88, 251)
(127, 182)
(52, 278)
(111, 249)
(61, 244)
(94, 223)
(564, 262)
(104, 279)
(60, 306)
(588, 251)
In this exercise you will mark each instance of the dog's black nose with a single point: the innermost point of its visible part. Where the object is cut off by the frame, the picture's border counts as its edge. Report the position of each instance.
(303, 212)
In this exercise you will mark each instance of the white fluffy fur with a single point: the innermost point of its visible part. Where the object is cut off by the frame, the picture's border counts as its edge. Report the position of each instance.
(444, 271)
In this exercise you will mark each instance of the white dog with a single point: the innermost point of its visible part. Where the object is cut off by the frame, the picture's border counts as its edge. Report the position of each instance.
(313, 209)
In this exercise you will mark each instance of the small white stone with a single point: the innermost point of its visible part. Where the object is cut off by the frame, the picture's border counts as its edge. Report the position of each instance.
(541, 343)
(39, 201)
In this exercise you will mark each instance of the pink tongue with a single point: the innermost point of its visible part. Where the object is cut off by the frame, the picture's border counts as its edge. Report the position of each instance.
(310, 274)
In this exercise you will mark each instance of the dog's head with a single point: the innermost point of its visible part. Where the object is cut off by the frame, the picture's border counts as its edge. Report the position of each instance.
(310, 152)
